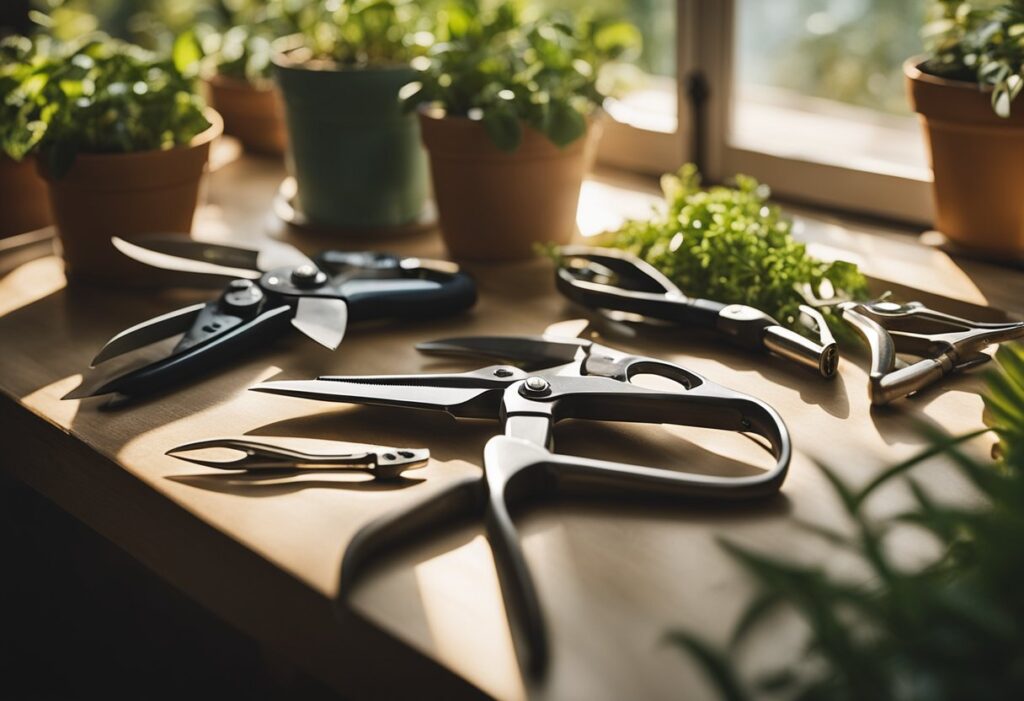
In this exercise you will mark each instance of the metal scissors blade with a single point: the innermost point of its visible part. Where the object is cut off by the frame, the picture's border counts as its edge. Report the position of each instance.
(188, 256)
(260, 455)
(150, 331)
(527, 350)
(322, 319)
(469, 402)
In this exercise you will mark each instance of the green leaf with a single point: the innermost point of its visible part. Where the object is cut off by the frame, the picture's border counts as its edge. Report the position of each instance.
(187, 53)
(564, 124)
(715, 665)
(503, 127)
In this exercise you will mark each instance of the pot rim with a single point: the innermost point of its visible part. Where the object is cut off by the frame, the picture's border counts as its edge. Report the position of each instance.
(286, 60)
(912, 70)
(228, 82)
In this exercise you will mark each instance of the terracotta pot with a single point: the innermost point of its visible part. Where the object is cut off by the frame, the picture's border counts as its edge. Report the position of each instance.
(125, 194)
(495, 205)
(24, 203)
(254, 114)
(355, 154)
(978, 162)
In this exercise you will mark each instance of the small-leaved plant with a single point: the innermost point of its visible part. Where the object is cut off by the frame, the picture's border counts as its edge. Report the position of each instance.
(732, 245)
(98, 95)
(363, 33)
(506, 69)
(950, 630)
(978, 42)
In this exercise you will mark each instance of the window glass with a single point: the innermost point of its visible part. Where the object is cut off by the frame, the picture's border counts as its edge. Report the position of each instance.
(822, 80)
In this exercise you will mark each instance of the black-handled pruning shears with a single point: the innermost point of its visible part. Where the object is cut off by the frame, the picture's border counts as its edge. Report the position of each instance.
(551, 380)
(271, 288)
(613, 280)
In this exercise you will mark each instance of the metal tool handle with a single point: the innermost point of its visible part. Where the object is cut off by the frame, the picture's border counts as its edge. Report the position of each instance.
(887, 384)
(688, 311)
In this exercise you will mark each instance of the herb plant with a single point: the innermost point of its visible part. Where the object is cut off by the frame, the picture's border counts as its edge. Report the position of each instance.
(729, 244)
(363, 33)
(99, 95)
(506, 70)
(951, 630)
(978, 42)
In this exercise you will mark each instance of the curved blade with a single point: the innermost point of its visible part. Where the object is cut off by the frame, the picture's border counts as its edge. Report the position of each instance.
(147, 332)
(459, 401)
(189, 256)
(277, 254)
(322, 319)
(532, 350)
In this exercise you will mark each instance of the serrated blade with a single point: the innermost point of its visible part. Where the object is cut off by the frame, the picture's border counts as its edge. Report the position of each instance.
(322, 319)
(460, 401)
(147, 332)
(188, 256)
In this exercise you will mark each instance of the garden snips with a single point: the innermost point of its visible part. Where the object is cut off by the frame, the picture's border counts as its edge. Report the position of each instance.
(945, 344)
(545, 381)
(270, 289)
(616, 282)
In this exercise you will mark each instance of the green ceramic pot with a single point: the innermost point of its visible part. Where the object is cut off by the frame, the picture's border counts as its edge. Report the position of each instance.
(356, 156)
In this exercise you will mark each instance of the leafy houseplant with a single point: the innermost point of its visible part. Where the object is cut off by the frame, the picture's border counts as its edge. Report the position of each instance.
(236, 41)
(122, 140)
(730, 244)
(355, 155)
(964, 89)
(952, 629)
(24, 203)
(508, 105)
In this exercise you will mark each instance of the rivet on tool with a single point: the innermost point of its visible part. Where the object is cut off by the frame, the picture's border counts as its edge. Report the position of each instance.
(240, 284)
(537, 385)
(307, 275)
(503, 372)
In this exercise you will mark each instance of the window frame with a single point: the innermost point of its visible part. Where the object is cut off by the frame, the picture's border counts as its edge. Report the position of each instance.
(705, 41)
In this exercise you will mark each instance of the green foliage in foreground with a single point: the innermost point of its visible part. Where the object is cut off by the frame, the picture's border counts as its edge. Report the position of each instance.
(949, 631)
(729, 244)
(98, 95)
(977, 42)
(506, 69)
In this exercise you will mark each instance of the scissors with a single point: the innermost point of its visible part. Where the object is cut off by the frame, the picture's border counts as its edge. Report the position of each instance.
(271, 288)
(550, 380)
(616, 281)
(945, 344)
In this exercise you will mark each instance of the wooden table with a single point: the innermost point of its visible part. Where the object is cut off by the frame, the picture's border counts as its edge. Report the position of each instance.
(264, 554)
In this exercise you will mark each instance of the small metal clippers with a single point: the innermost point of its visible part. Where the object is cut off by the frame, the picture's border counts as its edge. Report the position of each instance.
(384, 463)
(945, 344)
(562, 379)
(616, 281)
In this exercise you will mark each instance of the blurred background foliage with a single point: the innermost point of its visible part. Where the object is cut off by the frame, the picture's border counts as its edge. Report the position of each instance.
(849, 51)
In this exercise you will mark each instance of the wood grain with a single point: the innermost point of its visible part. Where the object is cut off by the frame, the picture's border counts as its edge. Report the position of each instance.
(264, 552)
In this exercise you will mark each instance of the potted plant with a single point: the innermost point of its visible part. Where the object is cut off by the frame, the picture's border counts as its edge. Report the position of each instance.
(509, 110)
(24, 205)
(355, 154)
(963, 89)
(122, 141)
(236, 44)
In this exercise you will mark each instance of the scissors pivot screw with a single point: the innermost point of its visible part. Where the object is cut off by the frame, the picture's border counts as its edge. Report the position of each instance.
(537, 385)
(308, 276)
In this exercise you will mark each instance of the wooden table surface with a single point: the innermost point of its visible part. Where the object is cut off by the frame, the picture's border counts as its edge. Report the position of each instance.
(264, 553)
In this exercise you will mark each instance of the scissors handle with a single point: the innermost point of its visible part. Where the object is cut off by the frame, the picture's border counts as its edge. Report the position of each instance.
(673, 307)
(431, 295)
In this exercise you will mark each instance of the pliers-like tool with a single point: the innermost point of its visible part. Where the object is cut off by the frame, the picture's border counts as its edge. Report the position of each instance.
(615, 281)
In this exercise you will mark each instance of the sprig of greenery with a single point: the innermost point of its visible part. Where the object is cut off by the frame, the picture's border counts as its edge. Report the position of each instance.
(731, 245)
(975, 41)
(364, 33)
(951, 630)
(506, 69)
(98, 95)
